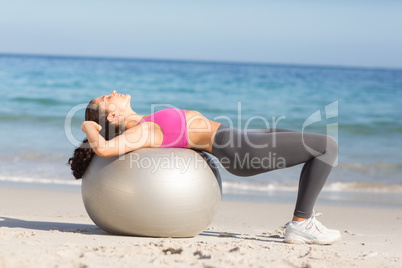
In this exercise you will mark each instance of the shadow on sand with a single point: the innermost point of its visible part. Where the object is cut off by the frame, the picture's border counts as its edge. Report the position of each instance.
(51, 226)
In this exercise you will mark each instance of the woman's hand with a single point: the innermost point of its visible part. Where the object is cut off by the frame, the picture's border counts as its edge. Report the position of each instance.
(87, 125)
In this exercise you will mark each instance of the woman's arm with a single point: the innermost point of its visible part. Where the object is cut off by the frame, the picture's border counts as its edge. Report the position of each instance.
(130, 140)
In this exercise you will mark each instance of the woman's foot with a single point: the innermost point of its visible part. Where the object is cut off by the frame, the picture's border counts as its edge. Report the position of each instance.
(310, 231)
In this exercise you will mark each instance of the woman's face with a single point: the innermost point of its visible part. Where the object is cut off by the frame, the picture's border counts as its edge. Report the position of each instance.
(114, 102)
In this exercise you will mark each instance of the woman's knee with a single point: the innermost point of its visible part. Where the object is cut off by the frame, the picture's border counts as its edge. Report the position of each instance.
(332, 146)
(319, 144)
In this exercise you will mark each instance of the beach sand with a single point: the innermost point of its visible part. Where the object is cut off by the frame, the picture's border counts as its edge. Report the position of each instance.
(50, 228)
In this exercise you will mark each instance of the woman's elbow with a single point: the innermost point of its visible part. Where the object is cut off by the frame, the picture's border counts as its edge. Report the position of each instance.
(103, 152)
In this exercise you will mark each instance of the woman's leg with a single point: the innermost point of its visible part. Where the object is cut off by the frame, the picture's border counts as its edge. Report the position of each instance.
(248, 153)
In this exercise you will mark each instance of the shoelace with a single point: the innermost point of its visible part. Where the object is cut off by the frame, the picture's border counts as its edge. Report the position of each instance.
(315, 222)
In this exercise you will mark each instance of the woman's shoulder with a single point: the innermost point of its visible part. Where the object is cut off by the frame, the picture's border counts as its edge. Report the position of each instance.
(192, 112)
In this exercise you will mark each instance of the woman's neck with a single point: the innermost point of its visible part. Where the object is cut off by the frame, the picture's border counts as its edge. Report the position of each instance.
(132, 119)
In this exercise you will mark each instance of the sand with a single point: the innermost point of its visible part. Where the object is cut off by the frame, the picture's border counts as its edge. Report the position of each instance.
(50, 228)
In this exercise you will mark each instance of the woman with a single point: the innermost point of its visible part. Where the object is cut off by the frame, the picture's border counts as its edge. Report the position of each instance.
(113, 128)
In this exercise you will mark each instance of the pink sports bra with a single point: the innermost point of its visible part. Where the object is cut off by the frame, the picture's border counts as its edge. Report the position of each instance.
(174, 126)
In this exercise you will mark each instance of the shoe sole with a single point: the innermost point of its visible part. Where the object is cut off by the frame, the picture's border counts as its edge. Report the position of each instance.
(314, 242)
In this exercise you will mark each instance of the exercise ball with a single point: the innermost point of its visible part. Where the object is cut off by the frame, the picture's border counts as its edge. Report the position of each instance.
(156, 192)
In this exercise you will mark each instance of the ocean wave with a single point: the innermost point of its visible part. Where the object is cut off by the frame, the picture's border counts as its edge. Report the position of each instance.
(371, 128)
(39, 180)
(29, 117)
(42, 157)
(363, 187)
(243, 188)
(41, 101)
(238, 187)
(54, 118)
(369, 168)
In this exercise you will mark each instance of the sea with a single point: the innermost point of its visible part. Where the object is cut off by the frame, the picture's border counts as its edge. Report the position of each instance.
(43, 100)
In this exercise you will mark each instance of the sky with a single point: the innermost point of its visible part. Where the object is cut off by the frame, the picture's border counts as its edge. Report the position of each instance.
(326, 32)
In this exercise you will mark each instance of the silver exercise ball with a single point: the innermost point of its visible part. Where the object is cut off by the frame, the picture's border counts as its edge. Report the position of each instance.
(157, 192)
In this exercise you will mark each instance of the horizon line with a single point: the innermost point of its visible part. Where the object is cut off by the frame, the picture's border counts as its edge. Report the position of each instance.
(335, 66)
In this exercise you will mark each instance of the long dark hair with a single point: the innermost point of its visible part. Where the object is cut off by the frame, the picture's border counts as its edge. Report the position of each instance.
(82, 156)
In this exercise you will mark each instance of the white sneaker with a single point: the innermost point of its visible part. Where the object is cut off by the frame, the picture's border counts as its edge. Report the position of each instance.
(310, 231)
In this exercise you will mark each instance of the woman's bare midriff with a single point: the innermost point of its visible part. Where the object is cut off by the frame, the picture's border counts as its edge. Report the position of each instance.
(201, 131)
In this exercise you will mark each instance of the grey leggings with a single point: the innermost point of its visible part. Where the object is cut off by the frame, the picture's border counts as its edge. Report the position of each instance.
(254, 151)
